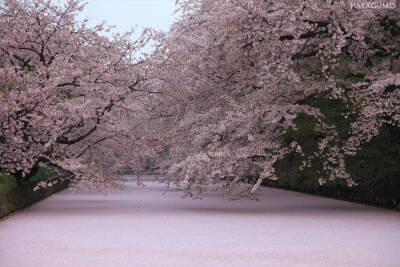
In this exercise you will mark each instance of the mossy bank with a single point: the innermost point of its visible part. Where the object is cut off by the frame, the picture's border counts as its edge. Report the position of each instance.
(13, 197)
(376, 167)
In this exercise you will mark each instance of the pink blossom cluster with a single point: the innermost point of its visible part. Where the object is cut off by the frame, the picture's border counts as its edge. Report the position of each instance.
(236, 74)
(63, 88)
(210, 106)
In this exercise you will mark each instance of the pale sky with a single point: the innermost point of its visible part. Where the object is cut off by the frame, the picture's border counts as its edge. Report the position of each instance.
(126, 13)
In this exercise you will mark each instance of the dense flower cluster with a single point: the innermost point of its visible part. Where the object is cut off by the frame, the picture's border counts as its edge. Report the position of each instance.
(215, 101)
(63, 87)
(236, 75)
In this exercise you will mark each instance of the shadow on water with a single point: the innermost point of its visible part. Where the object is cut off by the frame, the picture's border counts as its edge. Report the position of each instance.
(138, 207)
(155, 198)
(276, 210)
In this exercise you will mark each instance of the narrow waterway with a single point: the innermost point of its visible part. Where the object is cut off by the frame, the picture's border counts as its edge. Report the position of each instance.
(141, 226)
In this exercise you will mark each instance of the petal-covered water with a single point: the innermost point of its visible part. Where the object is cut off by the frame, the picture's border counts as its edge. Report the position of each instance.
(141, 226)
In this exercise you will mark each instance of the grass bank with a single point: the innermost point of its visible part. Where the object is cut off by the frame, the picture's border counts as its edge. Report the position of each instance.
(376, 167)
(13, 197)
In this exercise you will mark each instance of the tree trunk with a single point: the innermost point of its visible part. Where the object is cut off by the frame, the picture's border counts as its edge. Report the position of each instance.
(20, 179)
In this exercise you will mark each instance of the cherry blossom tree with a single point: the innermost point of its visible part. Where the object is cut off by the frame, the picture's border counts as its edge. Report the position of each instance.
(216, 102)
(64, 91)
(235, 75)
